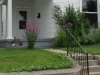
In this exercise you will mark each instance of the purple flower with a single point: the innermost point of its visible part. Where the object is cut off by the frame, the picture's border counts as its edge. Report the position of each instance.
(31, 27)
(31, 33)
(70, 24)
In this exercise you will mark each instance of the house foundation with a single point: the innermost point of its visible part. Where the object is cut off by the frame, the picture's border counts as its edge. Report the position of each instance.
(40, 43)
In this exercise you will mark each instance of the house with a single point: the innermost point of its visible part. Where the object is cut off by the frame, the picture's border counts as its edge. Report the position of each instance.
(14, 13)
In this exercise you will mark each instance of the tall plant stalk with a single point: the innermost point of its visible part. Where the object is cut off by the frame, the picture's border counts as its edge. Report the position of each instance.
(31, 33)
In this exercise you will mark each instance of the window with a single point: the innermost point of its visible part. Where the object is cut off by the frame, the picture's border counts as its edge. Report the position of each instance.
(22, 19)
(89, 7)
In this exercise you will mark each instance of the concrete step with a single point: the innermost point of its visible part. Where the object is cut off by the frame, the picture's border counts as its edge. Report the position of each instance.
(91, 62)
(82, 56)
(90, 57)
(94, 68)
(94, 73)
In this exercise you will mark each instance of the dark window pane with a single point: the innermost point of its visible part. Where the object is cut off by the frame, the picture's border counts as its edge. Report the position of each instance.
(89, 5)
(22, 24)
(93, 19)
(23, 15)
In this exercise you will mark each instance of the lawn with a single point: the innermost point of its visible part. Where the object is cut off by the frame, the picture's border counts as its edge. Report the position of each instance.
(91, 49)
(16, 60)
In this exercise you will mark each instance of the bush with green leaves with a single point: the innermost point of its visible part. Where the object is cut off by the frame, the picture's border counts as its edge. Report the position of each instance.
(92, 37)
(77, 20)
(31, 34)
(70, 15)
(60, 38)
(97, 35)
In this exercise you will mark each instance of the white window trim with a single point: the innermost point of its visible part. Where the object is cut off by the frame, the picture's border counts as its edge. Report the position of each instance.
(80, 5)
(91, 12)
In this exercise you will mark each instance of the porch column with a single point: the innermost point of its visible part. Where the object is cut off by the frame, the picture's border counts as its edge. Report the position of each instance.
(0, 21)
(9, 19)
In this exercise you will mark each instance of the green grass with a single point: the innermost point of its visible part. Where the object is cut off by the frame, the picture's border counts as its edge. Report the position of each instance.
(16, 60)
(91, 49)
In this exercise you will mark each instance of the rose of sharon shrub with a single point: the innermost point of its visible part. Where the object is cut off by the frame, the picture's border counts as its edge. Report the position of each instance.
(31, 33)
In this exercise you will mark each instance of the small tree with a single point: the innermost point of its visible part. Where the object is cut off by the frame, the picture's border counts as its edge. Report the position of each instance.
(74, 20)
(70, 15)
(31, 33)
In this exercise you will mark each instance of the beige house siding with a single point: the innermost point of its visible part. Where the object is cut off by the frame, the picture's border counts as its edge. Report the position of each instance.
(46, 23)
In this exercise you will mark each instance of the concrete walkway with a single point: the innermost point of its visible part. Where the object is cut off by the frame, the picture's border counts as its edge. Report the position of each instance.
(71, 71)
(56, 50)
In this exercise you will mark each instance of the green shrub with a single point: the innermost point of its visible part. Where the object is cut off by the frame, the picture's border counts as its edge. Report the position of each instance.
(72, 19)
(31, 34)
(92, 37)
(60, 38)
(87, 38)
(70, 15)
(97, 35)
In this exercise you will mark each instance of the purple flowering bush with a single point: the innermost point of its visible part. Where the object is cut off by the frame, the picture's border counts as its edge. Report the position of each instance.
(31, 33)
